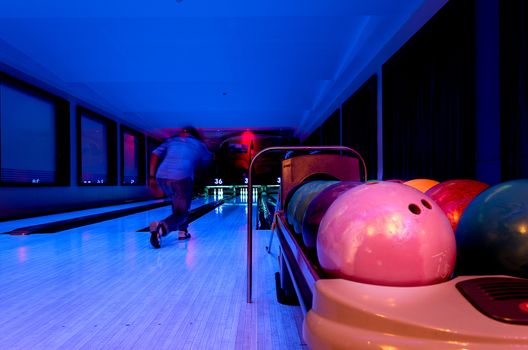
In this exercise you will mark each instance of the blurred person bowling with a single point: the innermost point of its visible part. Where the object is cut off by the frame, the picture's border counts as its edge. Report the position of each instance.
(175, 163)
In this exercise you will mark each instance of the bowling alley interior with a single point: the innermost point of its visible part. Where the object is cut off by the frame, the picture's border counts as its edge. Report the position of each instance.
(366, 184)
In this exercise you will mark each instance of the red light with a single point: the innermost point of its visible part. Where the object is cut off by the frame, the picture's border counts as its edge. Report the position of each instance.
(248, 138)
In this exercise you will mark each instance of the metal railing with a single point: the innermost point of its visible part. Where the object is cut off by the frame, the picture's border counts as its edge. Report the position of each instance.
(250, 197)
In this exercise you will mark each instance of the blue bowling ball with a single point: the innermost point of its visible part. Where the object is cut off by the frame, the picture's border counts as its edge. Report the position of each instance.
(492, 234)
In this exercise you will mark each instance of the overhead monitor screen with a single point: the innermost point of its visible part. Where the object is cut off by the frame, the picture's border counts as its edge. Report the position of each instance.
(130, 158)
(27, 137)
(94, 151)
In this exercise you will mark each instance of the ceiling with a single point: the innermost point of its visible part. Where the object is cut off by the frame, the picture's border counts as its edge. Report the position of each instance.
(233, 64)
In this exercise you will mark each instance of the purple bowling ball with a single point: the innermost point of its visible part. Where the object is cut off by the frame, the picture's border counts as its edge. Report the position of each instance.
(317, 208)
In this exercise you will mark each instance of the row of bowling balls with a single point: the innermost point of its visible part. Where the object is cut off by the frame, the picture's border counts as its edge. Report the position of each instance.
(412, 233)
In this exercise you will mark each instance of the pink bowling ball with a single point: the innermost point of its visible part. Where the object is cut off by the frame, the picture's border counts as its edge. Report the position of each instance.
(386, 233)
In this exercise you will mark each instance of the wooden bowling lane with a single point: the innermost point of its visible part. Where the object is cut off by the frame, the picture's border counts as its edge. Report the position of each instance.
(103, 286)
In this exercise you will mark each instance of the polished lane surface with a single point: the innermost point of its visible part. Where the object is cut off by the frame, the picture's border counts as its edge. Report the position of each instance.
(103, 286)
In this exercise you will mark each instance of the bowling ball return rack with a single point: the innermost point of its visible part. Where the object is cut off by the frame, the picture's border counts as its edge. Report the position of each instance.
(466, 312)
(296, 170)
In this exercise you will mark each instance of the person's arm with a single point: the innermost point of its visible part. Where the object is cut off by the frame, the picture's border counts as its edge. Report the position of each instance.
(153, 168)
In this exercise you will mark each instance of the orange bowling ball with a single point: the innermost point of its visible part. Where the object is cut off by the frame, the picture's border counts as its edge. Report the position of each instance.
(421, 185)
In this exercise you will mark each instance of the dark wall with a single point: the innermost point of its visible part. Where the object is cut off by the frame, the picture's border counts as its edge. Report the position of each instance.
(454, 99)
(514, 88)
(330, 131)
(314, 139)
(360, 124)
(429, 100)
(19, 201)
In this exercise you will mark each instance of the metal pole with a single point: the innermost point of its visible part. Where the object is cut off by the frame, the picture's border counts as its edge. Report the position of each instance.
(250, 232)
(250, 198)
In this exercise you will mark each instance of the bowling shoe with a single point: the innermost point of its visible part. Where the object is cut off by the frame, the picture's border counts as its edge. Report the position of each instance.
(156, 231)
(183, 234)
